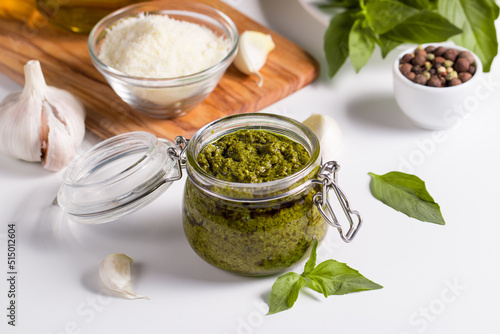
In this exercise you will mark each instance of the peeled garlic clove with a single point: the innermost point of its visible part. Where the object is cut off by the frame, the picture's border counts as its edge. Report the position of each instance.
(252, 52)
(115, 275)
(328, 132)
(41, 123)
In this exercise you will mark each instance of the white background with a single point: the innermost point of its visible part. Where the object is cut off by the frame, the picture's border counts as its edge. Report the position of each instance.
(437, 279)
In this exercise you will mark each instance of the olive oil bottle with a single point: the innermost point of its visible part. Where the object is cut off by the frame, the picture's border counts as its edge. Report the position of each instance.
(17, 9)
(78, 15)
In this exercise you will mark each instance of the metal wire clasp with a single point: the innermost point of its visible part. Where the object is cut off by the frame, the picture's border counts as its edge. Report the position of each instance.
(327, 178)
(178, 153)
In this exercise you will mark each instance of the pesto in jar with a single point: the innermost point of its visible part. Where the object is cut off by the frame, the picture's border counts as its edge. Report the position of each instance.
(252, 238)
(252, 156)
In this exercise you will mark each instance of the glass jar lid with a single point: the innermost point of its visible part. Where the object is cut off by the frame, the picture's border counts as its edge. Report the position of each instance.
(116, 177)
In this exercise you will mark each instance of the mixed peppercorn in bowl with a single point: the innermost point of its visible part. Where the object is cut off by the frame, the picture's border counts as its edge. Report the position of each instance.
(435, 83)
(438, 66)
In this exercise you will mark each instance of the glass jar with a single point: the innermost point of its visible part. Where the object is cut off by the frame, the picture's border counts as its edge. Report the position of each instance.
(252, 228)
(245, 228)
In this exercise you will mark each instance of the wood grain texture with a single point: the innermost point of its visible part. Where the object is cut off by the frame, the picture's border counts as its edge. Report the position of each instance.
(66, 64)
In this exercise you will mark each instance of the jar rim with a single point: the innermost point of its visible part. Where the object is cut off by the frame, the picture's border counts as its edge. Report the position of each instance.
(260, 121)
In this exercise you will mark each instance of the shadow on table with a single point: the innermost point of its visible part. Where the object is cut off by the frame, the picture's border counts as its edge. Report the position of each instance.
(379, 111)
(158, 247)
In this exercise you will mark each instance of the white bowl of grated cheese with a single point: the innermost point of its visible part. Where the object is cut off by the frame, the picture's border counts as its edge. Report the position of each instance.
(163, 58)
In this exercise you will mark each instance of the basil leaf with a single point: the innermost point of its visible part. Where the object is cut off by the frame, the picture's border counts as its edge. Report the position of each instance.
(329, 278)
(340, 4)
(423, 27)
(406, 193)
(318, 284)
(361, 45)
(495, 10)
(335, 278)
(419, 4)
(387, 45)
(285, 292)
(312, 259)
(384, 15)
(336, 41)
(476, 19)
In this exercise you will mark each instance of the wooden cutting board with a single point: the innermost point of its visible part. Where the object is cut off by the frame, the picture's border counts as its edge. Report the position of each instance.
(66, 64)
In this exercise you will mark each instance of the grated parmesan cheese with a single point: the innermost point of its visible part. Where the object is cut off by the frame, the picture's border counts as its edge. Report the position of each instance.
(157, 46)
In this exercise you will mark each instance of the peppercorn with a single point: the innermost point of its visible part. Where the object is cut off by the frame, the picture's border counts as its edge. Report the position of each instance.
(438, 62)
(442, 70)
(472, 69)
(454, 82)
(439, 51)
(464, 76)
(430, 49)
(449, 69)
(411, 76)
(468, 56)
(405, 68)
(462, 65)
(418, 60)
(452, 75)
(434, 81)
(420, 52)
(428, 65)
(451, 54)
(430, 56)
(420, 79)
(427, 75)
(433, 71)
(443, 80)
(417, 69)
(406, 58)
(448, 63)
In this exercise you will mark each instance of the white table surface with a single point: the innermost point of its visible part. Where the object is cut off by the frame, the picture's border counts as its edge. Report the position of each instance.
(437, 279)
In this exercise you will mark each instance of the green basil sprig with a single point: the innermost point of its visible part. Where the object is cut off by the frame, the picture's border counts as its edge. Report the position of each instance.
(359, 25)
(477, 20)
(329, 278)
(406, 193)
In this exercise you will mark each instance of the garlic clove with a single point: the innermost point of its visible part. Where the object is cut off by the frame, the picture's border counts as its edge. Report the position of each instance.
(20, 125)
(61, 100)
(328, 132)
(29, 119)
(58, 148)
(61, 132)
(252, 53)
(115, 274)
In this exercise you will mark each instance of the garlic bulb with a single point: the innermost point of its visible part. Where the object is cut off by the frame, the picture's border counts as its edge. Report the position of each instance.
(41, 123)
(328, 132)
(252, 53)
(115, 275)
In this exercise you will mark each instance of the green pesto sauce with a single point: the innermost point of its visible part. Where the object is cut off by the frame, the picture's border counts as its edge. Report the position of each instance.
(252, 156)
(246, 238)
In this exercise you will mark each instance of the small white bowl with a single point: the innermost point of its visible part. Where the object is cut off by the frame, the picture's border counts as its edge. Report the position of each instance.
(434, 108)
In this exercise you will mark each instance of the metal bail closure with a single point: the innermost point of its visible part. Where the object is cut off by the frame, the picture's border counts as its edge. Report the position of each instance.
(328, 181)
(178, 153)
